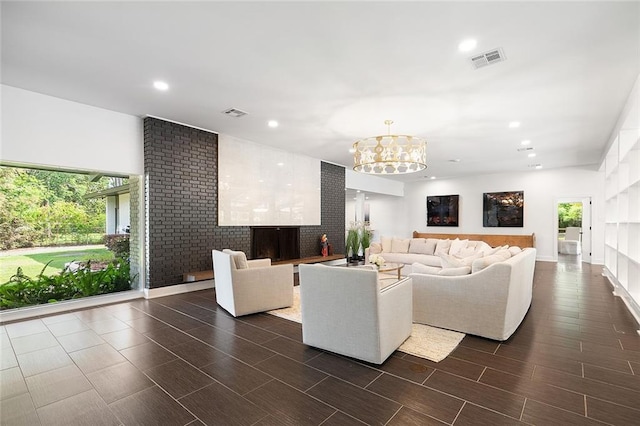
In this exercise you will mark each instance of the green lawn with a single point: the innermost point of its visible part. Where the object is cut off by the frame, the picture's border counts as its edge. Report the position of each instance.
(32, 264)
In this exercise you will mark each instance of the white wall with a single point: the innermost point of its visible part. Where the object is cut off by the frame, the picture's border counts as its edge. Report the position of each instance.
(541, 189)
(45, 131)
(383, 210)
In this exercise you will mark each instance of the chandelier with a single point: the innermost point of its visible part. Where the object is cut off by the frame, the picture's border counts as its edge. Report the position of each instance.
(390, 154)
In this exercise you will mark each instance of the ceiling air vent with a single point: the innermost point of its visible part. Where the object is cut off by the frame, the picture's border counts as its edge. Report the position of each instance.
(234, 112)
(488, 58)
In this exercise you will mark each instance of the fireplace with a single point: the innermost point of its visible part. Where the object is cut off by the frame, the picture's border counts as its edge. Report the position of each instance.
(276, 243)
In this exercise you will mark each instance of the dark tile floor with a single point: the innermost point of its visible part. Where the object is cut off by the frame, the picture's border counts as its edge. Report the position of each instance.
(181, 360)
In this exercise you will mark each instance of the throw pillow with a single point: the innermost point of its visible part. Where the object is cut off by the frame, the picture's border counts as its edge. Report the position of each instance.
(386, 244)
(449, 261)
(415, 244)
(457, 245)
(442, 247)
(483, 247)
(400, 245)
(503, 253)
(375, 248)
(467, 252)
(239, 258)
(424, 248)
(514, 250)
(484, 262)
(452, 272)
(419, 268)
(468, 260)
(431, 246)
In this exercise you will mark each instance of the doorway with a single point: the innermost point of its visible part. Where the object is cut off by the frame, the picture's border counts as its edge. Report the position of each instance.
(573, 212)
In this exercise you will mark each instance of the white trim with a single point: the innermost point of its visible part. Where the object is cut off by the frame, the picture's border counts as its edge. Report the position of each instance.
(68, 305)
(182, 124)
(621, 292)
(152, 293)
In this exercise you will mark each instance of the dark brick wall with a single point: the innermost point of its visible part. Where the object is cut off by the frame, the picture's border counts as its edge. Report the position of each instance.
(182, 205)
(181, 181)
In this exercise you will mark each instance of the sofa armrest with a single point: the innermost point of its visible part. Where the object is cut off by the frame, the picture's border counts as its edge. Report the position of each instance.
(396, 317)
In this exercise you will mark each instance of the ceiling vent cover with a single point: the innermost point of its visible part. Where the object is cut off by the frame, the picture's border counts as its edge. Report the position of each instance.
(488, 58)
(234, 112)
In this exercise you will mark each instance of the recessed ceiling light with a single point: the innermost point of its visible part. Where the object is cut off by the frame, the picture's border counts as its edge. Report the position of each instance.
(538, 166)
(514, 124)
(432, 177)
(161, 85)
(527, 142)
(467, 45)
(352, 150)
(280, 164)
(533, 154)
(272, 123)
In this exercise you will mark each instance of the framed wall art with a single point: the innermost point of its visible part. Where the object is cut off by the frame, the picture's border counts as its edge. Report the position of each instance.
(442, 210)
(503, 209)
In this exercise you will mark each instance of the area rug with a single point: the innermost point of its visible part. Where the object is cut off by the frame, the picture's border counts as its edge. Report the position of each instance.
(431, 343)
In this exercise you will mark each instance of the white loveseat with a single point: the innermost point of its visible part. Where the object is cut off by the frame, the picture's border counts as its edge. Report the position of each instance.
(491, 301)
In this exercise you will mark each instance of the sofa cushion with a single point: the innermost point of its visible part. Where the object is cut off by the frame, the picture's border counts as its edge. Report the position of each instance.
(442, 247)
(409, 258)
(419, 268)
(457, 245)
(399, 245)
(386, 244)
(452, 272)
(425, 247)
(239, 258)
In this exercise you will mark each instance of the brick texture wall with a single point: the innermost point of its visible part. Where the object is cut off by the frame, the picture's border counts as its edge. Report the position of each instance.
(182, 206)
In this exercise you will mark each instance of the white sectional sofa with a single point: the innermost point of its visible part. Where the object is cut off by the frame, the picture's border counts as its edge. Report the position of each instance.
(490, 302)
(477, 286)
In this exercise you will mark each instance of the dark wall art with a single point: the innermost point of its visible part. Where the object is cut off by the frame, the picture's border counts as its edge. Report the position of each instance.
(442, 210)
(502, 209)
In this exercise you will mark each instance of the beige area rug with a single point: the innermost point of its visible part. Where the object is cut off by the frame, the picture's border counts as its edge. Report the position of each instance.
(432, 343)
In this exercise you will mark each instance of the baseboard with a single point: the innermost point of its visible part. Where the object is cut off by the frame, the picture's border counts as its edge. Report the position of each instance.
(152, 293)
(621, 292)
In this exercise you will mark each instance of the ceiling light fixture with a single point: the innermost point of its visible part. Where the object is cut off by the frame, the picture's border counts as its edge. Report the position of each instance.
(272, 123)
(526, 142)
(514, 124)
(533, 154)
(161, 85)
(390, 154)
(467, 45)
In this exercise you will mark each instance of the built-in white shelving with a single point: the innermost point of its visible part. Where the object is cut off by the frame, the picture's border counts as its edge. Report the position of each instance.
(622, 203)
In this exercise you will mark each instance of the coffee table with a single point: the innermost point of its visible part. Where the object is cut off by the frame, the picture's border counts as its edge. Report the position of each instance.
(390, 267)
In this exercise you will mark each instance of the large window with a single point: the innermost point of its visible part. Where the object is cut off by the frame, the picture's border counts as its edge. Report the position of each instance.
(62, 235)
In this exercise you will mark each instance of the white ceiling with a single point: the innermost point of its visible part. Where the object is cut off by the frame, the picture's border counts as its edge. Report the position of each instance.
(332, 72)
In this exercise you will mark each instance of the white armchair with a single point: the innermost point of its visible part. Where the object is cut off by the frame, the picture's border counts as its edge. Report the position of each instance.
(346, 310)
(571, 243)
(248, 286)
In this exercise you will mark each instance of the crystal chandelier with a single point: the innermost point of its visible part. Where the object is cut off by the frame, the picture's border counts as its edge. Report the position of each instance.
(390, 154)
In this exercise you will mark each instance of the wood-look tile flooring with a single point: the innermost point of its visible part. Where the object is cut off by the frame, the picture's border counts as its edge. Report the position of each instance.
(181, 360)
